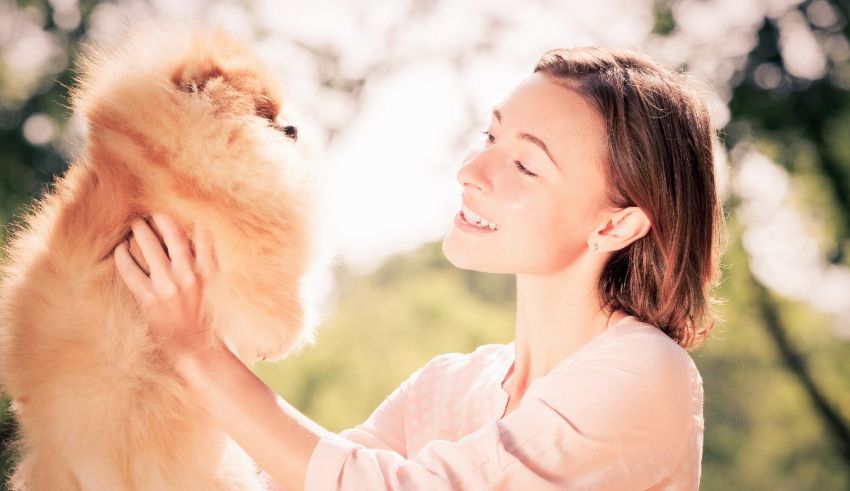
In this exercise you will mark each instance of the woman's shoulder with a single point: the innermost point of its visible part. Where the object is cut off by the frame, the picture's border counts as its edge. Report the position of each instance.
(647, 344)
(632, 388)
(641, 354)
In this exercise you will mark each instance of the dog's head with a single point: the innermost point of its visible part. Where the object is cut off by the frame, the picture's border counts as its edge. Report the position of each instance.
(221, 71)
(201, 127)
(194, 108)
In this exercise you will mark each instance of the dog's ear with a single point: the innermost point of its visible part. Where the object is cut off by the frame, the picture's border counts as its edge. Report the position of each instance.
(194, 77)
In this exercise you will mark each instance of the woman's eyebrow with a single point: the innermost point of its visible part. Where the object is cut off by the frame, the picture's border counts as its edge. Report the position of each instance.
(529, 137)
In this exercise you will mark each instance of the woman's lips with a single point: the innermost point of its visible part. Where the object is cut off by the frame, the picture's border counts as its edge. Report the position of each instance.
(473, 218)
(461, 223)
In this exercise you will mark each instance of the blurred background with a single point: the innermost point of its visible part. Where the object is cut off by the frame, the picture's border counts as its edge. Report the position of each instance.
(397, 91)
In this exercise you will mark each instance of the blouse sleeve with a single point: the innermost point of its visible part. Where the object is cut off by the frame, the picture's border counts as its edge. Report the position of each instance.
(384, 429)
(615, 419)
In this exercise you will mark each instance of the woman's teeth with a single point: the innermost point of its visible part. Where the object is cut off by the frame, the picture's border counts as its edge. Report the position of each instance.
(473, 219)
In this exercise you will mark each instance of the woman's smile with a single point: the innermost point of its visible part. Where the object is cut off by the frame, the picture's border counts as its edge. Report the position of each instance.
(468, 221)
(473, 218)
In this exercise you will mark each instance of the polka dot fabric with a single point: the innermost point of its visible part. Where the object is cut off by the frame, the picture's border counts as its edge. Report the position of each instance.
(456, 395)
(623, 412)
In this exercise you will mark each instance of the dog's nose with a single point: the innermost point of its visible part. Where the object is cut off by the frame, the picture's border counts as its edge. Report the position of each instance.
(291, 132)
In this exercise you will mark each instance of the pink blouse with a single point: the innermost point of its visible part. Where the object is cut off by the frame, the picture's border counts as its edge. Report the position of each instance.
(623, 412)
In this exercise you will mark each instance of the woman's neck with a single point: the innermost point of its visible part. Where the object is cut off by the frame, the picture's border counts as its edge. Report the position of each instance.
(556, 315)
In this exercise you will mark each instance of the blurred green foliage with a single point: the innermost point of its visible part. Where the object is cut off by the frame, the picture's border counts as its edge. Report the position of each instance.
(384, 327)
(765, 428)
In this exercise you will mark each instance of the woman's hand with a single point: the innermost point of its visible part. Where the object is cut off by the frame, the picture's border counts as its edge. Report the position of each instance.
(172, 297)
(278, 437)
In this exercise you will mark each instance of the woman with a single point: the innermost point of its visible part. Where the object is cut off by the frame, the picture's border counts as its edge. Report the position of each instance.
(594, 185)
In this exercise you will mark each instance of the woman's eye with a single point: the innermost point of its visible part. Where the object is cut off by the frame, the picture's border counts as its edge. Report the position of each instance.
(522, 169)
(517, 163)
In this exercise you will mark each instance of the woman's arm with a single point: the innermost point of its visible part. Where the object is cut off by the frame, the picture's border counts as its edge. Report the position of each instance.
(277, 436)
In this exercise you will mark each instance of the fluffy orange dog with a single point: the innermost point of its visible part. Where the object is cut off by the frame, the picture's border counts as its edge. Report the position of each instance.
(190, 125)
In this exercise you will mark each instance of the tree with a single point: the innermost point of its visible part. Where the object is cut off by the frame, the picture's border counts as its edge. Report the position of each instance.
(796, 114)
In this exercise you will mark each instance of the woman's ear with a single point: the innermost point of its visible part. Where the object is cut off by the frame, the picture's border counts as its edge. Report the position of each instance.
(620, 229)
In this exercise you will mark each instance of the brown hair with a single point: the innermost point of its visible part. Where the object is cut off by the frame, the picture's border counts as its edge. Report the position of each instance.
(660, 159)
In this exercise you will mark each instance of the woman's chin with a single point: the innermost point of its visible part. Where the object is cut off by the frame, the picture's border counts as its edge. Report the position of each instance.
(463, 258)
(455, 254)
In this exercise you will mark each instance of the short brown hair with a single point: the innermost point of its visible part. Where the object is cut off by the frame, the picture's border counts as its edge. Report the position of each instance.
(660, 158)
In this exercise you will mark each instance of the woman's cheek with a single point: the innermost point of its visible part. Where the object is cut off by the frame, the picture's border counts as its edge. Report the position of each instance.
(517, 196)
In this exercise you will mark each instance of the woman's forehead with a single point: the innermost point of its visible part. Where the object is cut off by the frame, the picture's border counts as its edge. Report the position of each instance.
(550, 110)
(542, 99)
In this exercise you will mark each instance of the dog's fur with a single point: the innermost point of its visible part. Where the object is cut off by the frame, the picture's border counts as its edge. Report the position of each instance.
(190, 125)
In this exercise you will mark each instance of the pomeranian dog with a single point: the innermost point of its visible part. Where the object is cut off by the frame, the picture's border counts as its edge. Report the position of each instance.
(195, 126)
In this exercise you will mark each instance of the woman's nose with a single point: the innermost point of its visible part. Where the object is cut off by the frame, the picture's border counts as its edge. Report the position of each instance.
(473, 171)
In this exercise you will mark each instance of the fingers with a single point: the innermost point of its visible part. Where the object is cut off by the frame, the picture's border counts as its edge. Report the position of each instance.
(177, 269)
(135, 279)
(151, 248)
(177, 244)
(205, 252)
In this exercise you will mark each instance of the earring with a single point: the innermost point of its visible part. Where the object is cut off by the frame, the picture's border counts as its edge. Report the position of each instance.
(594, 246)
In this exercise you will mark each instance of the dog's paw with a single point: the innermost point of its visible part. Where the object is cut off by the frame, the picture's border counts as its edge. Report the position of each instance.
(270, 347)
(274, 352)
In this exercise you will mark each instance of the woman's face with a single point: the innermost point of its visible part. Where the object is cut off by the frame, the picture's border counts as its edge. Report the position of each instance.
(537, 181)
